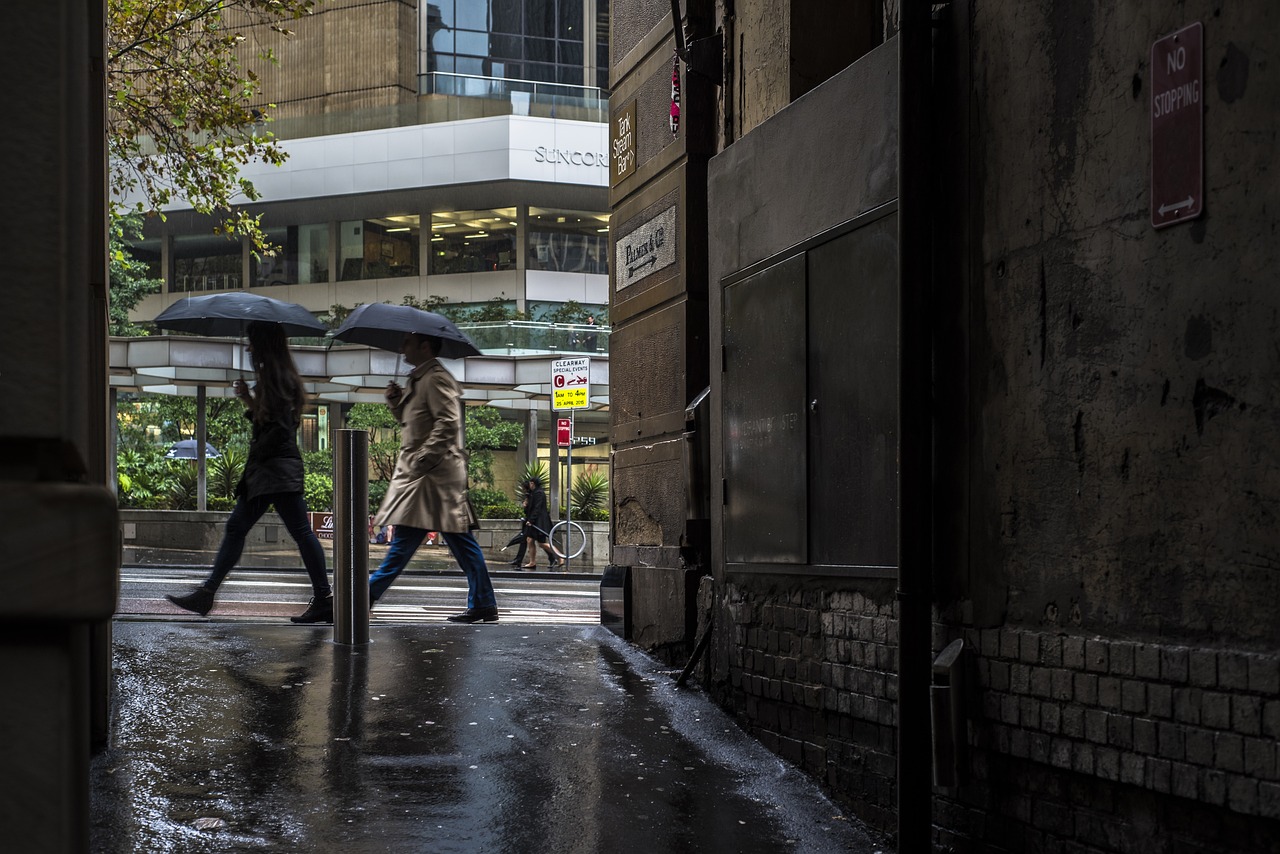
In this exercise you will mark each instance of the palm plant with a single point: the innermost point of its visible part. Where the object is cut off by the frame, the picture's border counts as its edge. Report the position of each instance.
(224, 473)
(536, 470)
(183, 488)
(588, 495)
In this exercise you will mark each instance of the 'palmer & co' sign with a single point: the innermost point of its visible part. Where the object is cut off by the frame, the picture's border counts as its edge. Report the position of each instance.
(647, 249)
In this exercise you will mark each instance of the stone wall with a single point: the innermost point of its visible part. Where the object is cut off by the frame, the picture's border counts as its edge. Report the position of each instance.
(1107, 466)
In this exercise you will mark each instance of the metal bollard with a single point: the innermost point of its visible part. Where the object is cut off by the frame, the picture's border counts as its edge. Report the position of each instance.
(351, 537)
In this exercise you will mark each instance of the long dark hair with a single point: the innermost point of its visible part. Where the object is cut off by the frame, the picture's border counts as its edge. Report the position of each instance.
(279, 393)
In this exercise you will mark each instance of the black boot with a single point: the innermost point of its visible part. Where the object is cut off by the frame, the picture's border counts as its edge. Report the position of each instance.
(198, 601)
(319, 611)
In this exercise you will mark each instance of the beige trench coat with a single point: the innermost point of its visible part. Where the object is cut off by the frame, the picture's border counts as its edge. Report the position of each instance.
(429, 487)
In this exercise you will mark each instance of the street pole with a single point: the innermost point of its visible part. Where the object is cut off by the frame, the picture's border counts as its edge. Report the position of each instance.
(351, 537)
(202, 478)
(568, 495)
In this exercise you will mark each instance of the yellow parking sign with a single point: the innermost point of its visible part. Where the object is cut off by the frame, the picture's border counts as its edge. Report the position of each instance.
(570, 383)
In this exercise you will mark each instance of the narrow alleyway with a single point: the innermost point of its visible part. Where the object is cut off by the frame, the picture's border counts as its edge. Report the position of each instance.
(233, 736)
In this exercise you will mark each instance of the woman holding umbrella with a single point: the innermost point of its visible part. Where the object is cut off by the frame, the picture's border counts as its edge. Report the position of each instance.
(272, 475)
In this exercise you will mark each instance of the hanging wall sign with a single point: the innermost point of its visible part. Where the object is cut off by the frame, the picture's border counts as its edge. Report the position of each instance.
(675, 95)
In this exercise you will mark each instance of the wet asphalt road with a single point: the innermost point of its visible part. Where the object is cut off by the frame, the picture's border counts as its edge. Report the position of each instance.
(255, 736)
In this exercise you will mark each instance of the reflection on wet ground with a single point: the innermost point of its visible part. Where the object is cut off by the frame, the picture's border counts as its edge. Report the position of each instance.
(251, 737)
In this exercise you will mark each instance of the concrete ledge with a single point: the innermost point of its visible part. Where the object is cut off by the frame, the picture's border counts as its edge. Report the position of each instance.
(195, 531)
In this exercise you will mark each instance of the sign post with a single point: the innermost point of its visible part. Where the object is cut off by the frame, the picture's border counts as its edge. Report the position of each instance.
(1177, 126)
(570, 389)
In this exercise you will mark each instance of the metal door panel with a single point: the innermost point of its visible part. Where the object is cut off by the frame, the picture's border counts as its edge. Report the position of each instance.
(764, 438)
(853, 388)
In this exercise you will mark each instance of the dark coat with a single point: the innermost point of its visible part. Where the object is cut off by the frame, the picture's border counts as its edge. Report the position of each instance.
(536, 512)
(274, 464)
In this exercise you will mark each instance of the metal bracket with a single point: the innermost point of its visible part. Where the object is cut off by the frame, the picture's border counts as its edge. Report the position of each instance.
(704, 57)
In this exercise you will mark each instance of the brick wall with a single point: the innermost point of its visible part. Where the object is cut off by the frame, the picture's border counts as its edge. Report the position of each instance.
(812, 674)
(1107, 744)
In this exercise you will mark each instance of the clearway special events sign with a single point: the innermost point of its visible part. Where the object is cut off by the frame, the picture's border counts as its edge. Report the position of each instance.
(646, 250)
(570, 382)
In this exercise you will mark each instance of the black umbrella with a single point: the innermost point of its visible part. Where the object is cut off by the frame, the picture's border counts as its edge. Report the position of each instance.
(384, 326)
(228, 314)
(189, 449)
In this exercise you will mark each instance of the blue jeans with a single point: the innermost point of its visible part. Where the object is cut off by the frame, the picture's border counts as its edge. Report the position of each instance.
(293, 512)
(463, 547)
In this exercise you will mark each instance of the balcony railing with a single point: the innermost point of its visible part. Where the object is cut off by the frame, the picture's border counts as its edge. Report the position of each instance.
(523, 337)
(447, 97)
(510, 97)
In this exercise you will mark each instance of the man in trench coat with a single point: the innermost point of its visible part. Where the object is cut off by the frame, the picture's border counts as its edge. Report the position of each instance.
(428, 491)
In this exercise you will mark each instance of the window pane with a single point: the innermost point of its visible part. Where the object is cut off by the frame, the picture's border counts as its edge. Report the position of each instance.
(540, 50)
(444, 10)
(476, 44)
(442, 41)
(301, 256)
(568, 241)
(381, 248)
(539, 72)
(506, 47)
(570, 19)
(507, 17)
(540, 18)
(147, 252)
(473, 14)
(473, 241)
(571, 55)
(313, 253)
(206, 262)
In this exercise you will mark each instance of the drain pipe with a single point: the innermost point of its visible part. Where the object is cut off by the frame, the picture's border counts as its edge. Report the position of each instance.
(915, 351)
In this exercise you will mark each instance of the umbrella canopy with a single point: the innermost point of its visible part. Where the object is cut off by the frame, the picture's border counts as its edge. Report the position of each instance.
(229, 313)
(384, 326)
(188, 448)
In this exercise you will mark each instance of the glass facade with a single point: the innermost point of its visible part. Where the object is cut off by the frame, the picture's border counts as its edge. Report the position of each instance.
(473, 241)
(206, 262)
(147, 251)
(391, 246)
(568, 241)
(301, 256)
(381, 248)
(539, 40)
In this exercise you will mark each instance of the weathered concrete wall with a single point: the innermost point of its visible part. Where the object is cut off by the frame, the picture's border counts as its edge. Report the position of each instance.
(1106, 536)
(659, 316)
(762, 55)
(1127, 462)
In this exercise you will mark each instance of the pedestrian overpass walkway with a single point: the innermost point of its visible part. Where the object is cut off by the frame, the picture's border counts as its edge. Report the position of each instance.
(513, 377)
